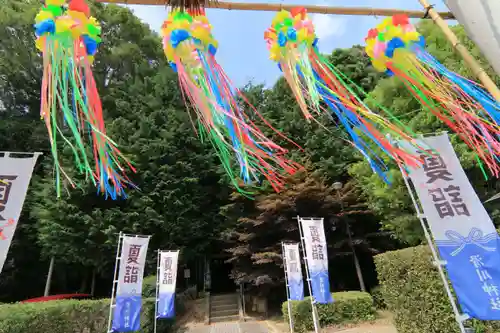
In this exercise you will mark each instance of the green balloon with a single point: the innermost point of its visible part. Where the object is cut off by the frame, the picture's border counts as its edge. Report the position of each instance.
(288, 22)
(93, 30)
(55, 10)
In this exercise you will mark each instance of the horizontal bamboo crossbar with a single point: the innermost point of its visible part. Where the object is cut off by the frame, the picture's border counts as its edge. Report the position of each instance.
(310, 8)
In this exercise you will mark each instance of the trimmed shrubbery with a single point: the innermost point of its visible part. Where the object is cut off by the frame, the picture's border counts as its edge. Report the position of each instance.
(69, 316)
(350, 306)
(414, 293)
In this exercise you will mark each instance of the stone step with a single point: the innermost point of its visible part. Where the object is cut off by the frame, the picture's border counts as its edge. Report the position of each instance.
(223, 313)
(224, 318)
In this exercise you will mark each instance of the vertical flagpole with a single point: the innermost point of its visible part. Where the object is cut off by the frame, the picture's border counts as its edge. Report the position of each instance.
(460, 318)
(157, 288)
(462, 50)
(313, 302)
(285, 265)
(115, 281)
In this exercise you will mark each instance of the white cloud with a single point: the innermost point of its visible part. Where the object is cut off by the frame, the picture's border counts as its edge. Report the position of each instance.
(328, 25)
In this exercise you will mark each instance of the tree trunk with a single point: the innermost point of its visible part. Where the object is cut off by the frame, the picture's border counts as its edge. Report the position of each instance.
(49, 277)
(92, 286)
(356, 261)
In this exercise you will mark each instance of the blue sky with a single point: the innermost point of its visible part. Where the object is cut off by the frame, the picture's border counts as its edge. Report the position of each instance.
(242, 50)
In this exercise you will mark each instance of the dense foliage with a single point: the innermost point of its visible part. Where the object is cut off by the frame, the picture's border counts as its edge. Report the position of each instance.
(69, 316)
(185, 201)
(413, 291)
(349, 307)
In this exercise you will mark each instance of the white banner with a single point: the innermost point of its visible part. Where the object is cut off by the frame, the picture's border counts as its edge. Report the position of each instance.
(15, 176)
(132, 261)
(481, 20)
(293, 271)
(448, 199)
(317, 258)
(167, 283)
(463, 232)
(127, 313)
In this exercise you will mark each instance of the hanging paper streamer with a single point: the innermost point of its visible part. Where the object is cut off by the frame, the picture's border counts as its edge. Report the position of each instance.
(190, 48)
(396, 48)
(315, 83)
(68, 37)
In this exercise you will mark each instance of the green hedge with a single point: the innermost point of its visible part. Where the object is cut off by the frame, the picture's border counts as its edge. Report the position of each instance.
(349, 306)
(414, 293)
(69, 316)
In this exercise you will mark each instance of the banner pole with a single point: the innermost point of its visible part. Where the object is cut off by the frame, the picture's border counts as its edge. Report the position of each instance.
(285, 265)
(115, 281)
(437, 261)
(477, 70)
(313, 302)
(157, 287)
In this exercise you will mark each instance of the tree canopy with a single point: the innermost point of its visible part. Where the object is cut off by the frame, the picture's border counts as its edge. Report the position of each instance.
(184, 199)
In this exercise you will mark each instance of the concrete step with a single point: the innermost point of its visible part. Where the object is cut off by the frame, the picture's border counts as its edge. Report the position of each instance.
(224, 318)
(224, 313)
(216, 307)
(223, 297)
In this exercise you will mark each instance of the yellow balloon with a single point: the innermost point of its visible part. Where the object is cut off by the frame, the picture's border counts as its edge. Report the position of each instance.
(55, 2)
(63, 25)
(40, 43)
(91, 59)
(169, 52)
(302, 35)
(379, 65)
(412, 36)
(394, 32)
(43, 15)
(79, 16)
(76, 32)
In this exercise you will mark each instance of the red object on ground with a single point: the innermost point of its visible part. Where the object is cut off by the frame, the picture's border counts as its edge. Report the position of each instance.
(56, 297)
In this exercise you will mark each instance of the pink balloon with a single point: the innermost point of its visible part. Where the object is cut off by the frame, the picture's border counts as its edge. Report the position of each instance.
(379, 49)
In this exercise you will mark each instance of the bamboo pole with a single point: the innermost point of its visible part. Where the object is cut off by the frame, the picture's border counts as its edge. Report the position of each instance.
(477, 70)
(277, 7)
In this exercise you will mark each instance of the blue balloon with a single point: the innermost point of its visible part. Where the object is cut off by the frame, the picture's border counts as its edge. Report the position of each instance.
(47, 26)
(178, 36)
(173, 66)
(212, 49)
(279, 66)
(315, 42)
(421, 41)
(281, 39)
(90, 45)
(292, 34)
(393, 44)
(389, 72)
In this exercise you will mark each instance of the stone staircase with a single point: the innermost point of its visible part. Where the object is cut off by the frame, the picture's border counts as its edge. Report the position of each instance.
(224, 307)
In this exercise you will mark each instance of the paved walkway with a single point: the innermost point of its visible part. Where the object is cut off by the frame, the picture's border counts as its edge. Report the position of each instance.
(232, 327)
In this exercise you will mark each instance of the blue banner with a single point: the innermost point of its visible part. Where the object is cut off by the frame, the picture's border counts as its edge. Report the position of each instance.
(167, 276)
(127, 314)
(291, 260)
(317, 258)
(473, 265)
(166, 306)
(320, 285)
(296, 289)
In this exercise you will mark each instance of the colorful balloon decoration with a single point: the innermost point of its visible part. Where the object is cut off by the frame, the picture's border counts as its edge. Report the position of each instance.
(396, 48)
(320, 88)
(69, 37)
(221, 116)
